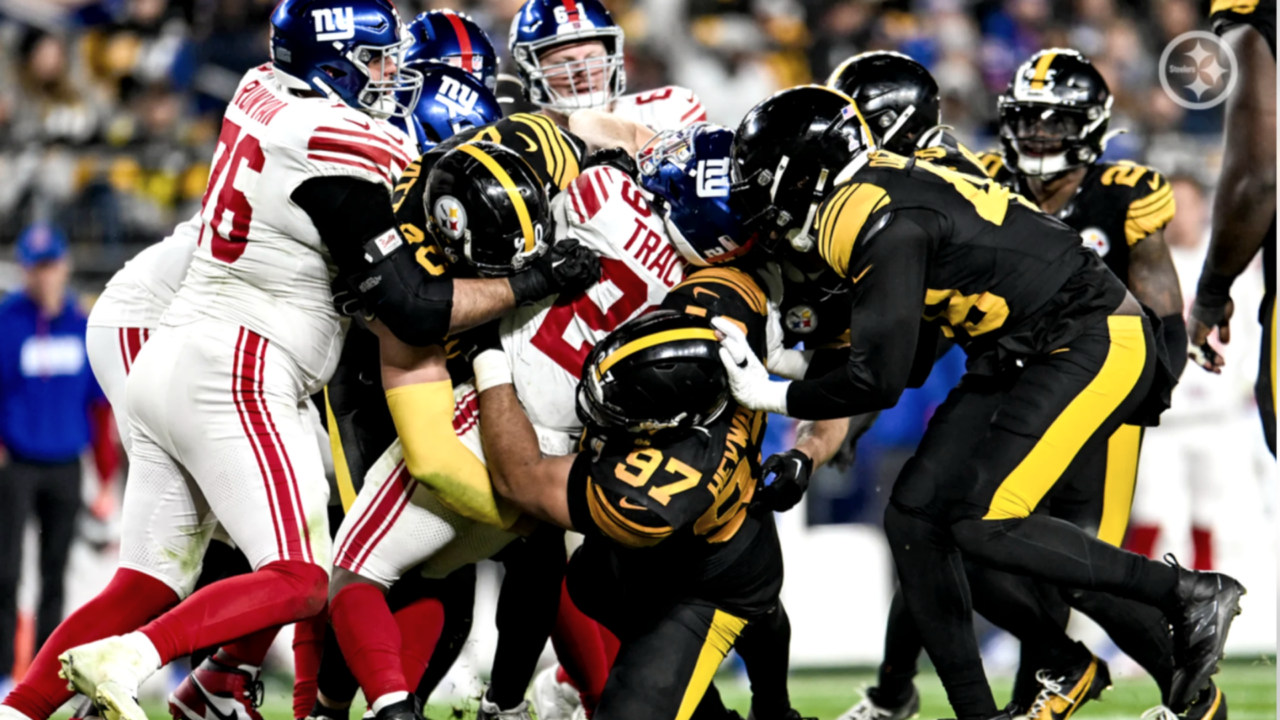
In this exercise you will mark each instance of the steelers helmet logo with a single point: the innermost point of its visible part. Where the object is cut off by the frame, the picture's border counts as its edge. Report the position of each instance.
(450, 217)
(1096, 240)
(802, 319)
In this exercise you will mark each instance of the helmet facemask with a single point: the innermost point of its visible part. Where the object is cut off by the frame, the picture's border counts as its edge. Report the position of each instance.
(387, 96)
(1047, 139)
(605, 76)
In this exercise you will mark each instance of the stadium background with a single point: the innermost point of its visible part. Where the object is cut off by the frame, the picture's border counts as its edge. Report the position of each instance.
(108, 111)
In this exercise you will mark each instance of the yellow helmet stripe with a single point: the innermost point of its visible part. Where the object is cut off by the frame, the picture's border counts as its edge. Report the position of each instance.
(513, 193)
(1042, 70)
(665, 336)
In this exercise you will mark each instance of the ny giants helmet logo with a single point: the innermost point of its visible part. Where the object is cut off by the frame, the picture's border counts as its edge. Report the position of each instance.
(334, 23)
(460, 100)
(713, 177)
(450, 217)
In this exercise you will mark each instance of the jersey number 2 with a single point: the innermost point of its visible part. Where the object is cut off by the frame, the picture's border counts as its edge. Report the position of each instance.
(231, 212)
(554, 336)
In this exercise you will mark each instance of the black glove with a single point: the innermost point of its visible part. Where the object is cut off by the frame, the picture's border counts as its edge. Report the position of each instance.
(567, 268)
(791, 471)
(616, 158)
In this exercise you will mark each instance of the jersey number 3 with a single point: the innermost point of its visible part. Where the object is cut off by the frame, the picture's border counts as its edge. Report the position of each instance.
(230, 213)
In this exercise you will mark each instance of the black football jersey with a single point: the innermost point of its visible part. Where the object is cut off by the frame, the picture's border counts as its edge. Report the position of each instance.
(988, 287)
(942, 148)
(675, 510)
(1261, 14)
(815, 308)
(555, 155)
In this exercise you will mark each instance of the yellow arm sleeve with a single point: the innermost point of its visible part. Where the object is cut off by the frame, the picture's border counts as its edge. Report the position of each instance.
(434, 455)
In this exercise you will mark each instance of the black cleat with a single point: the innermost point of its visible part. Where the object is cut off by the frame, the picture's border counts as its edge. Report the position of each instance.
(868, 709)
(1064, 692)
(403, 710)
(1211, 704)
(1207, 604)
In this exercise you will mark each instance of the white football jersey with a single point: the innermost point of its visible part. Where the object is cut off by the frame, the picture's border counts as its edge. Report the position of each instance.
(668, 108)
(139, 293)
(547, 343)
(260, 261)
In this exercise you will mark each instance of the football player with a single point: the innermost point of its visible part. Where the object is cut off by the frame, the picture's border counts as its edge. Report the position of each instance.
(453, 38)
(1059, 356)
(1244, 210)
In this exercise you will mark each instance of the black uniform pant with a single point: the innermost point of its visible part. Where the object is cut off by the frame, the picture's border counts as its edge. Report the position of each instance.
(670, 650)
(51, 493)
(1265, 389)
(993, 452)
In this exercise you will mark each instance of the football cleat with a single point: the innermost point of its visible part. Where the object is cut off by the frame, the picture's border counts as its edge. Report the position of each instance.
(403, 710)
(109, 672)
(1063, 693)
(218, 690)
(552, 699)
(867, 709)
(490, 711)
(85, 710)
(1207, 604)
(1211, 704)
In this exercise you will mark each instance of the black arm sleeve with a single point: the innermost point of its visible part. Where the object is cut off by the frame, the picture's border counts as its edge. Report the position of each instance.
(352, 214)
(1173, 333)
(887, 306)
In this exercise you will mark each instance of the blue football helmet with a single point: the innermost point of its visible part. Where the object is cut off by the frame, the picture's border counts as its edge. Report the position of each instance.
(453, 100)
(686, 173)
(452, 38)
(542, 25)
(335, 47)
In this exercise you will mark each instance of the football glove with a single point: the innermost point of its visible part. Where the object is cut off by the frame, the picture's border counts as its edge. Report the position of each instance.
(616, 158)
(568, 267)
(748, 379)
(791, 471)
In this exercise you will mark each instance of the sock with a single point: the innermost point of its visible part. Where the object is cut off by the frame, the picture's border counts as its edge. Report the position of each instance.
(389, 699)
(580, 648)
(145, 649)
(128, 601)
(308, 644)
(420, 623)
(369, 638)
(1202, 539)
(1142, 539)
(279, 593)
(250, 650)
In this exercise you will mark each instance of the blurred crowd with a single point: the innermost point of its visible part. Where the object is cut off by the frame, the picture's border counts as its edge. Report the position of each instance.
(108, 108)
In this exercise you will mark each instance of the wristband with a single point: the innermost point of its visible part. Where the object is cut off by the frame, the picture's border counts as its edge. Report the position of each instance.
(1214, 290)
(491, 369)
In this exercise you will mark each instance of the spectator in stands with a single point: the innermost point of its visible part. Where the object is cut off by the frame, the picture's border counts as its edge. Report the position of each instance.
(48, 400)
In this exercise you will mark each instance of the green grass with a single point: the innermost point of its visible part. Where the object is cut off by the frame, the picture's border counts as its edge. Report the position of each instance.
(1250, 690)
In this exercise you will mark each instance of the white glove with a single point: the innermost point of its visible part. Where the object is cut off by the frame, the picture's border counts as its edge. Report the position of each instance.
(748, 379)
(790, 364)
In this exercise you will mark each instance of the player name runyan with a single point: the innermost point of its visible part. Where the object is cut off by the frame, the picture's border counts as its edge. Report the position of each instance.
(258, 102)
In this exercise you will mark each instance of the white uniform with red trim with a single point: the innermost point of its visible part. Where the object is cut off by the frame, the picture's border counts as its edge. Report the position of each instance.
(396, 523)
(667, 108)
(217, 400)
(547, 343)
(129, 310)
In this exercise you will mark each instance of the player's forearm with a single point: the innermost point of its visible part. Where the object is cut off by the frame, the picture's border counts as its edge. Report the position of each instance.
(404, 364)
(476, 302)
(821, 439)
(1153, 279)
(511, 445)
(1246, 199)
(601, 130)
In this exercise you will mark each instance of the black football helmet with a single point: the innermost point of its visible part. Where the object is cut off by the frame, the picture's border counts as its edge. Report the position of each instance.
(789, 154)
(660, 371)
(1055, 113)
(487, 209)
(896, 95)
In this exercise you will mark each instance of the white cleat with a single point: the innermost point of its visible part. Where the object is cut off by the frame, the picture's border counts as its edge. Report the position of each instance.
(554, 700)
(866, 709)
(109, 671)
(490, 711)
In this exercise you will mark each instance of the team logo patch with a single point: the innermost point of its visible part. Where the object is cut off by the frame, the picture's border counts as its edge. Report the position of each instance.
(1096, 240)
(334, 23)
(450, 217)
(802, 319)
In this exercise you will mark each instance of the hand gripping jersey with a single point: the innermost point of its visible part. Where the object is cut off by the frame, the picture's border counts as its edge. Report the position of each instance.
(987, 286)
(548, 342)
(260, 261)
(1260, 14)
(675, 512)
(667, 108)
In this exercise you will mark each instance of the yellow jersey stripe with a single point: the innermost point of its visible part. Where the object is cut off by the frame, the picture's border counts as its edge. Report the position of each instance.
(848, 224)
(1138, 227)
(1240, 7)
(513, 193)
(1024, 488)
(550, 156)
(346, 488)
(746, 287)
(831, 212)
(643, 343)
(721, 636)
(618, 528)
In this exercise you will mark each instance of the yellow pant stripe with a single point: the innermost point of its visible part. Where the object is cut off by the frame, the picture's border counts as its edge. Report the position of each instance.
(346, 488)
(1122, 474)
(724, 632)
(1020, 492)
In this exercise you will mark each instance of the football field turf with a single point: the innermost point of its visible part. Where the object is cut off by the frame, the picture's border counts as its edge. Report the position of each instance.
(1250, 688)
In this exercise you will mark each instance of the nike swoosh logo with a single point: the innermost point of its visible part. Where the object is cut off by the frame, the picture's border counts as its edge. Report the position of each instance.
(628, 505)
(1154, 182)
(864, 272)
(532, 146)
(217, 706)
(362, 125)
(705, 291)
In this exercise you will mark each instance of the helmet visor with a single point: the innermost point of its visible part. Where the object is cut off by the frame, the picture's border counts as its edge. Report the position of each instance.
(1041, 130)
